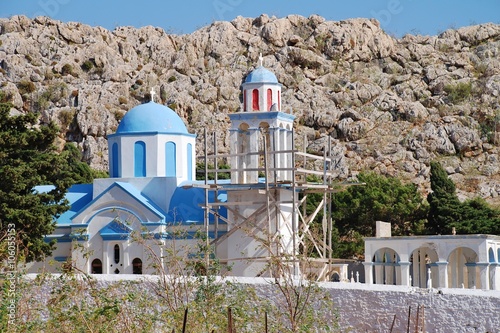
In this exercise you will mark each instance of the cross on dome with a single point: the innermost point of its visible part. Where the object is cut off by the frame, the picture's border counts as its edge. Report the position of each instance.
(261, 60)
(152, 94)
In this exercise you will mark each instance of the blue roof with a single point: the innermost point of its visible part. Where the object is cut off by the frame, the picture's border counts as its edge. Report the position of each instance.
(78, 196)
(115, 231)
(134, 192)
(261, 75)
(151, 117)
(186, 204)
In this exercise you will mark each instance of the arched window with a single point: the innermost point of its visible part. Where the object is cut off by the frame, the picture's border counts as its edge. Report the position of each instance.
(140, 159)
(255, 100)
(117, 253)
(491, 255)
(170, 160)
(244, 100)
(137, 266)
(279, 100)
(190, 161)
(96, 266)
(115, 172)
(269, 99)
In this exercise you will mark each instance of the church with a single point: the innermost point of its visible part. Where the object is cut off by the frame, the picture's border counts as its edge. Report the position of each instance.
(152, 191)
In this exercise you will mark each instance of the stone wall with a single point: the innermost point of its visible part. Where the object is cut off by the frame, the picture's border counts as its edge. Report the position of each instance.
(371, 308)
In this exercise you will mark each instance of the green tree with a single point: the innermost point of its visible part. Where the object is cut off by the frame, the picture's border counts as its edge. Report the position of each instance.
(28, 158)
(380, 198)
(446, 212)
(444, 206)
(79, 171)
(477, 217)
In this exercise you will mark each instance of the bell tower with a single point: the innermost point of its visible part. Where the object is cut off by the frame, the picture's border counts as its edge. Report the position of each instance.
(262, 163)
(261, 127)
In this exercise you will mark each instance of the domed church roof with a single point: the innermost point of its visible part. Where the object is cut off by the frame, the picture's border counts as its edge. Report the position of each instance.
(261, 75)
(151, 117)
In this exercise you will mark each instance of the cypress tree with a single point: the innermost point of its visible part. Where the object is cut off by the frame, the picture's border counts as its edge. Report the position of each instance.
(28, 158)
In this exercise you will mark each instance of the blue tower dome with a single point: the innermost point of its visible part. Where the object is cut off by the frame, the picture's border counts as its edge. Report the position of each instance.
(151, 117)
(261, 75)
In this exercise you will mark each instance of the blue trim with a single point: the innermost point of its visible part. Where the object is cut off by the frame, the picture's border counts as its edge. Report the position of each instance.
(109, 237)
(261, 115)
(154, 224)
(156, 235)
(115, 160)
(139, 159)
(190, 161)
(193, 234)
(170, 159)
(61, 259)
(64, 238)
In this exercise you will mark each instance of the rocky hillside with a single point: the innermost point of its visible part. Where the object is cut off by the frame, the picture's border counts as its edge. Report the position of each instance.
(391, 105)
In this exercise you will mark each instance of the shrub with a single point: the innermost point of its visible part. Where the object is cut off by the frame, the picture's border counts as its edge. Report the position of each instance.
(87, 65)
(119, 115)
(26, 87)
(66, 117)
(459, 92)
(122, 100)
(172, 79)
(67, 69)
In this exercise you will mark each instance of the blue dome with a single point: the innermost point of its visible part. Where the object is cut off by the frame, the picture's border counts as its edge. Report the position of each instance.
(261, 74)
(151, 117)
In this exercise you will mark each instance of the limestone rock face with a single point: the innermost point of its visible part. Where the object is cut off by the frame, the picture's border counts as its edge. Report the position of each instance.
(383, 104)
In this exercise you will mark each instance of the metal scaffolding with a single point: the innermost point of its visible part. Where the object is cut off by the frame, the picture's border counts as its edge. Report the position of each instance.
(309, 175)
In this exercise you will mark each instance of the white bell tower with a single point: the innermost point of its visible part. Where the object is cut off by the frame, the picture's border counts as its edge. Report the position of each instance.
(261, 121)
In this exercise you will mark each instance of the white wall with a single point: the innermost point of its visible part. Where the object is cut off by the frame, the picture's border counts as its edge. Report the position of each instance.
(365, 308)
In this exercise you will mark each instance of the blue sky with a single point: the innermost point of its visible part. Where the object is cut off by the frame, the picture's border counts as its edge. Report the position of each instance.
(397, 17)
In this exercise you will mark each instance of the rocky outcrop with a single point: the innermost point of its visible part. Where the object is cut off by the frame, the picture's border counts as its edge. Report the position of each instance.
(389, 105)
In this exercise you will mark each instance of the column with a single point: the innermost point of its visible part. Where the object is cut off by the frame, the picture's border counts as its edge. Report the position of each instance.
(253, 160)
(416, 271)
(289, 161)
(404, 273)
(368, 272)
(471, 274)
(442, 271)
(233, 141)
(389, 273)
(484, 276)
(495, 276)
(273, 158)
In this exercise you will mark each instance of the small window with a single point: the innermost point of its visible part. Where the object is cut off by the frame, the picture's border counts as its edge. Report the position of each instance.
(117, 253)
(96, 266)
(139, 159)
(255, 100)
(269, 99)
(137, 266)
